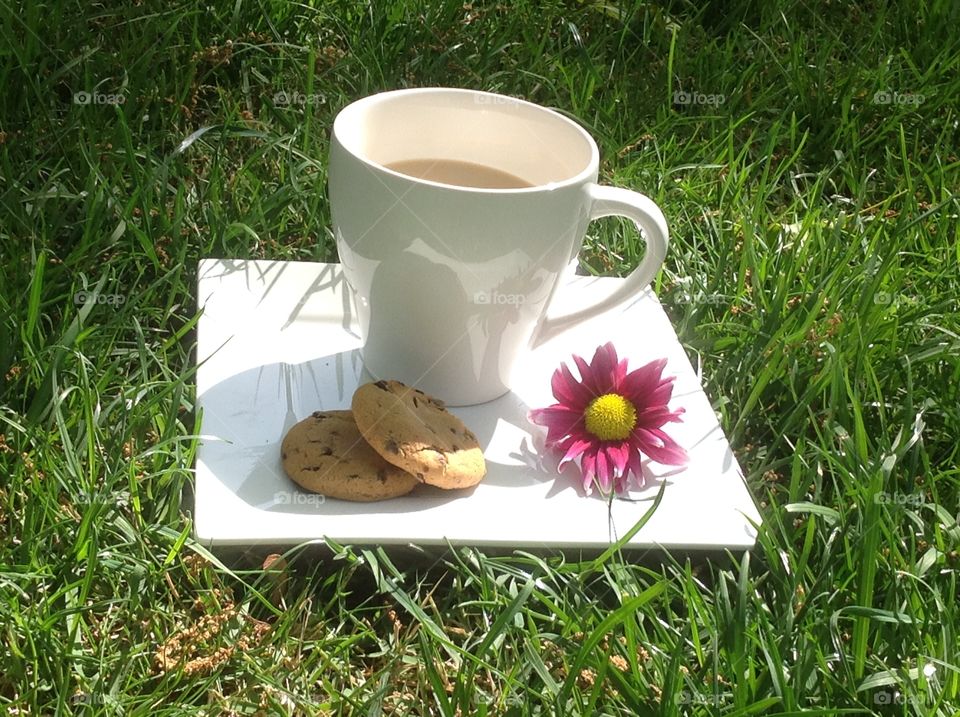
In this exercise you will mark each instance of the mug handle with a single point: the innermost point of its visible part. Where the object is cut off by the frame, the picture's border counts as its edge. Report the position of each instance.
(614, 201)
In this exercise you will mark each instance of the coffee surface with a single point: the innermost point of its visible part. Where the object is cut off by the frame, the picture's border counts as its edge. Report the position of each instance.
(459, 173)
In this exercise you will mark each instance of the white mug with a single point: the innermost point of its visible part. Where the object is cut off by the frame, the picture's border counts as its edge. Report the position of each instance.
(452, 283)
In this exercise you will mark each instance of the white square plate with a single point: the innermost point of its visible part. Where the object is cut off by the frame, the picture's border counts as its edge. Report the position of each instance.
(276, 342)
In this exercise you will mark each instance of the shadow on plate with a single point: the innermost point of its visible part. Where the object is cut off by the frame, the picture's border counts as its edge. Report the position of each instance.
(246, 416)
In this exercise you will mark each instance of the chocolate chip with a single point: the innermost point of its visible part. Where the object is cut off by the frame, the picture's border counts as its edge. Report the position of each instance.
(353, 475)
(417, 390)
(311, 468)
(319, 415)
(416, 404)
(382, 385)
(456, 447)
(453, 430)
(326, 452)
(382, 475)
(283, 455)
(392, 446)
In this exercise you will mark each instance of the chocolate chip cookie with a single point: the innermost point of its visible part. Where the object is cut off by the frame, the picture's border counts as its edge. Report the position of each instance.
(326, 454)
(414, 431)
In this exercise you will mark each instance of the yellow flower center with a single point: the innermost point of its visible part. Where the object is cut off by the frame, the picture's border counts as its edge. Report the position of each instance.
(610, 417)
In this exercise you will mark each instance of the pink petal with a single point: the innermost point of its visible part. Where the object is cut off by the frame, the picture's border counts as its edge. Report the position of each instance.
(668, 442)
(658, 446)
(661, 394)
(555, 436)
(558, 422)
(618, 454)
(619, 373)
(588, 465)
(568, 390)
(556, 416)
(656, 416)
(640, 382)
(604, 365)
(675, 415)
(636, 465)
(604, 472)
(573, 449)
(587, 377)
(672, 455)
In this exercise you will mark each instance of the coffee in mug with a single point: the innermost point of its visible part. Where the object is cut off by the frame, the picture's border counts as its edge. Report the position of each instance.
(462, 174)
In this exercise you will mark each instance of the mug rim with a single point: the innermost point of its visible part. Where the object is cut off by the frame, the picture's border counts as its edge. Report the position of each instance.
(584, 175)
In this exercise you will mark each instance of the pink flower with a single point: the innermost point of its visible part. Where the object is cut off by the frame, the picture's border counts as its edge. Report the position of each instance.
(609, 418)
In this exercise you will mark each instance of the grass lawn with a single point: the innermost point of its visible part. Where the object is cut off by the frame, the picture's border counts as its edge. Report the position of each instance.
(806, 156)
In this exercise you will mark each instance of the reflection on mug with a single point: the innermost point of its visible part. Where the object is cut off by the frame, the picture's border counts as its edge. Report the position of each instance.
(472, 326)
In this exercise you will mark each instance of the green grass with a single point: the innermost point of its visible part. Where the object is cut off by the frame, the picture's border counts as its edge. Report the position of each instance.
(813, 274)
